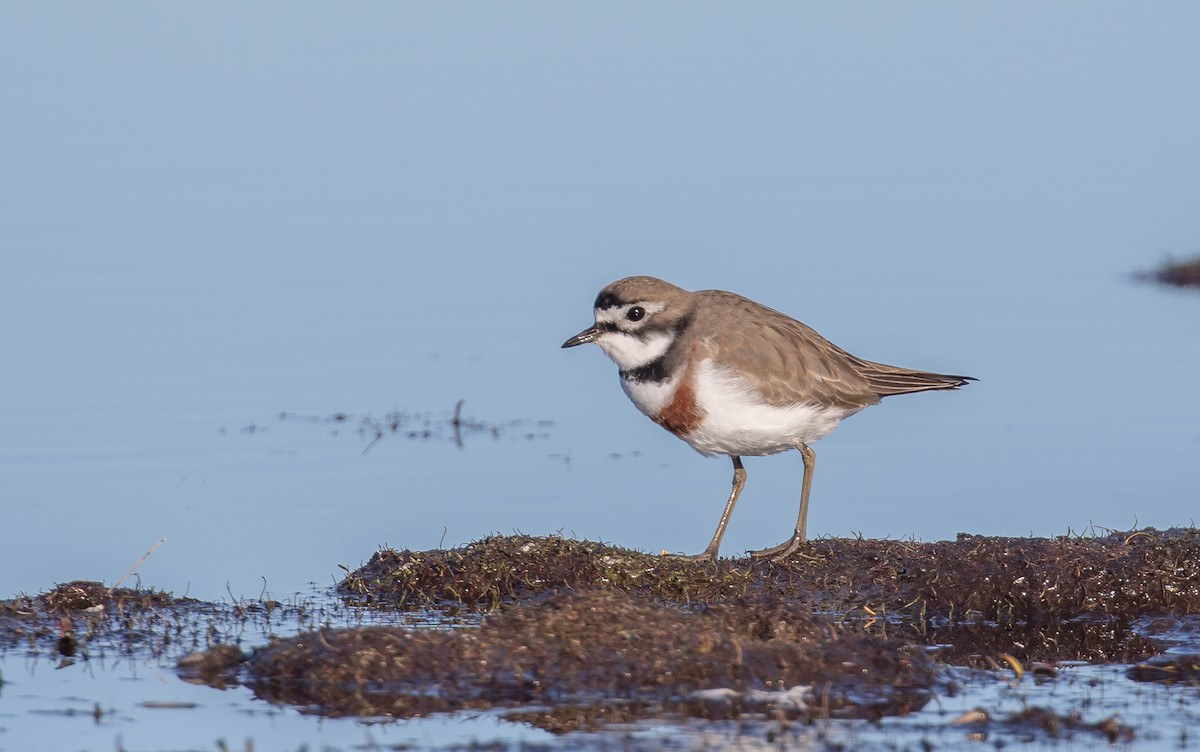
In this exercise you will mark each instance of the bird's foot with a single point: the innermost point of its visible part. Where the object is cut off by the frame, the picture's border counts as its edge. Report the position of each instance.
(782, 552)
(706, 556)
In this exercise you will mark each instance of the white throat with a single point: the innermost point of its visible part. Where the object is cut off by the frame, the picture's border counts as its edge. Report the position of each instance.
(630, 351)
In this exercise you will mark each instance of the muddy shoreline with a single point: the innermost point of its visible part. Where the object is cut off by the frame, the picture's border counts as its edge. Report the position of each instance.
(572, 635)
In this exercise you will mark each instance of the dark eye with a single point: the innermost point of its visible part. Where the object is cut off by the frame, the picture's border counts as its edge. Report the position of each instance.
(637, 313)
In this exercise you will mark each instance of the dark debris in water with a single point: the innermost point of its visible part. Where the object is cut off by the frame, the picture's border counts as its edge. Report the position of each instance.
(83, 620)
(982, 644)
(1033, 723)
(73, 612)
(1176, 273)
(1180, 662)
(1168, 667)
(452, 426)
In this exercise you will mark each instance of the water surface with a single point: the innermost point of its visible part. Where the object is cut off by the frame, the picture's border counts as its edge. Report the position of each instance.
(213, 215)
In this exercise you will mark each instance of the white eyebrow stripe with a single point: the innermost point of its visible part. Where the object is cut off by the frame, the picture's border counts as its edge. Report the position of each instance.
(612, 315)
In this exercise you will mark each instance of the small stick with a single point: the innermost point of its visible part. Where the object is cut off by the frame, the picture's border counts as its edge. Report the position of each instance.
(136, 564)
(456, 421)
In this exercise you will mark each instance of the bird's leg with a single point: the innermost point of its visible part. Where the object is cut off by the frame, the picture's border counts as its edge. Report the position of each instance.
(739, 480)
(788, 547)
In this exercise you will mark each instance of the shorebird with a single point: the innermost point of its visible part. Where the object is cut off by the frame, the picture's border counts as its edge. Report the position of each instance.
(731, 376)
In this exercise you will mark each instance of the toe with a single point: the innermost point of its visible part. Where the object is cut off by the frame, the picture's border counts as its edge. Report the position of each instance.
(780, 552)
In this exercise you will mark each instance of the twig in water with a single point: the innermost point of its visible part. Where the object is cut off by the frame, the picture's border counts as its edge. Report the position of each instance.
(457, 423)
(136, 564)
(378, 434)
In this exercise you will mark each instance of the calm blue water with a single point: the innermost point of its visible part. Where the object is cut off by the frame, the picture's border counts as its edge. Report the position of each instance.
(212, 214)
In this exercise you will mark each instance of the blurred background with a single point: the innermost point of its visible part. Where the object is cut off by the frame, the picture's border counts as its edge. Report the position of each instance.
(214, 214)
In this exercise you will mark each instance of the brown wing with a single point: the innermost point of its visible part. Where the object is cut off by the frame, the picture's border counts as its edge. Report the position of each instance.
(786, 360)
(790, 362)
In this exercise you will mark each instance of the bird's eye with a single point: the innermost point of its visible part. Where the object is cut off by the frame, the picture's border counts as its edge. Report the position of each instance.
(637, 313)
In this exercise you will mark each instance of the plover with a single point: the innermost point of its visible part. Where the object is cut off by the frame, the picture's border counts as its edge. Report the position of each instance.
(734, 377)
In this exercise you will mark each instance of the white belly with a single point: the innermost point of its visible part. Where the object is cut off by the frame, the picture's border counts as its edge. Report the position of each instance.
(736, 421)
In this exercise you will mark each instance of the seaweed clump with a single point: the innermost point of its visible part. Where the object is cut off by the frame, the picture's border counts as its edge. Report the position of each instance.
(80, 618)
(843, 628)
(591, 647)
(1005, 580)
(485, 574)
